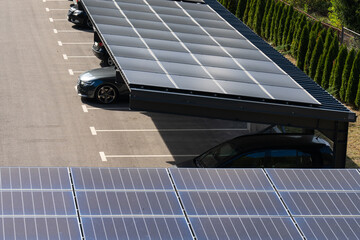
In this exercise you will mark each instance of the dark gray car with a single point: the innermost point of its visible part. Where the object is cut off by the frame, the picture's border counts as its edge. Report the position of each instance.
(102, 84)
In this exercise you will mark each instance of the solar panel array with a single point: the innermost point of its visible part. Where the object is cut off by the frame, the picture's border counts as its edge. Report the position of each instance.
(130, 203)
(185, 46)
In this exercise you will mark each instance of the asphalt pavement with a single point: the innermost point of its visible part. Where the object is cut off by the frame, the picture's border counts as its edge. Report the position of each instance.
(44, 123)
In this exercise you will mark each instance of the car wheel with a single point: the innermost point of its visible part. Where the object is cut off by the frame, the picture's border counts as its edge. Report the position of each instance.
(89, 23)
(109, 61)
(106, 94)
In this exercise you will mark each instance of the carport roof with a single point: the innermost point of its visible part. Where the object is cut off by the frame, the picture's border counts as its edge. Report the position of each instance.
(200, 59)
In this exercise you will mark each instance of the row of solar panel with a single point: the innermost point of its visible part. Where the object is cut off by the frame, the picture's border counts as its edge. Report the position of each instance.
(179, 45)
(204, 203)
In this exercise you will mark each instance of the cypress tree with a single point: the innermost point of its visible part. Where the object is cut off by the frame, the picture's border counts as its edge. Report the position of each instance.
(328, 40)
(232, 6)
(281, 26)
(346, 74)
(304, 41)
(268, 20)
(225, 3)
(353, 83)
(251, 14)
(246, 12)
(277, 20)
(296, 38)
(263, 22)
(272, 26)
(289, 16)
(311, 46)
(291, 31)
(240, 9)
(320, 69)
(335, 79)
(259, 14)
(357, 99)
(322, 33)
(329, 60)
(315, 56)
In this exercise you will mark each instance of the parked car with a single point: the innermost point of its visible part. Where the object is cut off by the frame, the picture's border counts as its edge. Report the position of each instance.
(271, 150)
(102, 84)
(100, 51)
(78, 16)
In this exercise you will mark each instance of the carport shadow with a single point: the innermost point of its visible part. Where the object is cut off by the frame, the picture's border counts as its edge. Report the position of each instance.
(187, 136)
(82, 28)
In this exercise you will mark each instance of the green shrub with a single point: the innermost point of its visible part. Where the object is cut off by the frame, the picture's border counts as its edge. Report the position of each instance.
(304, 41)
(353, 83)
(240, 9)
(320, 69)
(328, 40)
(259, 14)
(232, 6)
(251, 14)
(287, 24)
(268, 20)
(291, 31)
(266, 11)
(346, 74)
(336, 77)
(273, 21)
(329, 61)
(246, 12)
(316, 56)
(297, 34)
(281, 26)
(357, 99)
(311, 46)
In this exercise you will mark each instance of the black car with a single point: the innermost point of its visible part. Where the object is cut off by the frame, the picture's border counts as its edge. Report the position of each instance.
(78, 16)
(101, 84)
(267, 151)
(100, 52)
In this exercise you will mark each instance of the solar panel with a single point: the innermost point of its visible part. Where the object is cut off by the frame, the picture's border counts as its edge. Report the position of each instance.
(220, 179)
(315, 179)
(194, 36)
(330, 227)
(244, 228)
(37, 203)
(129, 203)
(121, 178)
(136, 228)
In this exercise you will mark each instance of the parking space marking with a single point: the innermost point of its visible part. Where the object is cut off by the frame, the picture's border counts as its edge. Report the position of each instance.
(65, 56)
(55, 9)
(55, 0)
(71, 72)
(60, 43)
(71, 31)
(86, 109)
(95, 131)
(51, 20)
(57, 19)
(105, 157)
(74, 43)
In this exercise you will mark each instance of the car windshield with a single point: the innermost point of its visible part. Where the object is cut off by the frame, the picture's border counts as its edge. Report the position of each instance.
(218, 155)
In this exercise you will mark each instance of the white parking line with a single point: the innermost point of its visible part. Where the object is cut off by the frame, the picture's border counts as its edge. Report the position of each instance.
(86, 109)
(71, 72)
(94, 131)
(51, 20)
(71, 31)
(55, 9)
(76, 43)
(57, 19)
(60, 43)
(105, 157)
(55, 0)
(65, 56)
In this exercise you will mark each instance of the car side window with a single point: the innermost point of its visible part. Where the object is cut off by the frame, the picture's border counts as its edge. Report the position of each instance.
(289, 158)
(249, 160)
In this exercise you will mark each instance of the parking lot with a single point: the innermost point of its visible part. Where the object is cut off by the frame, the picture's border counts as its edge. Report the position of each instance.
(45, 123)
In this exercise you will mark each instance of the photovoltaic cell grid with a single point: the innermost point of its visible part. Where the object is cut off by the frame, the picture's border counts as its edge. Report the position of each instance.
(232, 204)
(129, 204)
(37, 203)
(324, 203)
(186, 46)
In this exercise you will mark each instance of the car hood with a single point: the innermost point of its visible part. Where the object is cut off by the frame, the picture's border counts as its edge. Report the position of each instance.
(98, 73)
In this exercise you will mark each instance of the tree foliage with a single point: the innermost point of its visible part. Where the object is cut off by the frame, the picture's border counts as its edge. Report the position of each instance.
(336, 77)
(353, 83)
(240, 9)
(348, 11)
(346, 74)
(315, 56)
(304, 41)
(329, 60)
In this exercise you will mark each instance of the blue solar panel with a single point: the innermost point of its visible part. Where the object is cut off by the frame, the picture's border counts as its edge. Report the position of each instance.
(128, 203)
(330, 227)
(315, 179)
(34, 178)
(121, 178)
(136, 228)
(244, 228)
(232, 203)
(322, 203)
(220, 179)
(36, 203)
(39, 228)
